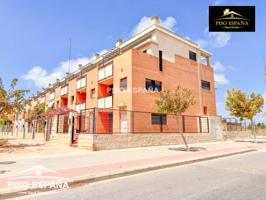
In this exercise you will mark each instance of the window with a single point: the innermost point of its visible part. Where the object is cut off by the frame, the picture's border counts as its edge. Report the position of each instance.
(192, 56)
(205, 85)
(145, 51)
(93, 94)
(123, 84)
(72, 99)
(57, 104)
(158, 118)
(161, 60)
(153, 85)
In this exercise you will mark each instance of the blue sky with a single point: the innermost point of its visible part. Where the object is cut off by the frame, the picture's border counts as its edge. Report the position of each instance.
(34, 37)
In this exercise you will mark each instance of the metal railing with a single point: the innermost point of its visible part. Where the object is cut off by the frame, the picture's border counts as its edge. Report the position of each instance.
(104, 120)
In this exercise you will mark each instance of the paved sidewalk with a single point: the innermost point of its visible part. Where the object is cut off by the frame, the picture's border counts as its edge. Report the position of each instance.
(94, 166)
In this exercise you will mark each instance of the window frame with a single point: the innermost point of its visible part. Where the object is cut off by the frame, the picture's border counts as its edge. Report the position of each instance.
(93, 93)
(153, 85)
(160, 60)
(72, 100)
(161, 121)
(193, 55)
(208, 87)
(123, 85)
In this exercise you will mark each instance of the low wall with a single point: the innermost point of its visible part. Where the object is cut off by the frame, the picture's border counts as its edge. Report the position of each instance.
(122, 141)
(85, 141)
(60, 139)
(233, 135)
(38, 136)
(261, 132)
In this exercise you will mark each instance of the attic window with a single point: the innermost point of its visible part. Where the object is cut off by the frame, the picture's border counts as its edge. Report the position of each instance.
(192, 56)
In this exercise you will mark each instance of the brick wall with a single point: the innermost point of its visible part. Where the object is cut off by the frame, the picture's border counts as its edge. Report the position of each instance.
(122, 141)
(145, 66)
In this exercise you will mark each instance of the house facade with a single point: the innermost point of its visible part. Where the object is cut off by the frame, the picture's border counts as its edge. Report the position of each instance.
(129, 78)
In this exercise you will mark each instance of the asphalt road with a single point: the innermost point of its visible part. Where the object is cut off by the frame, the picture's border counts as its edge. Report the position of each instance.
(236, 177)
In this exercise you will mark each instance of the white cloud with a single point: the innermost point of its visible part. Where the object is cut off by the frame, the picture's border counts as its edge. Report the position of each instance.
(219, 39)
(264, 96)
(218, 66)
(220, 79)
(145, 22)
(41, 78)
(217, 2)
(220, 106)
(219, 75)
(214, 39)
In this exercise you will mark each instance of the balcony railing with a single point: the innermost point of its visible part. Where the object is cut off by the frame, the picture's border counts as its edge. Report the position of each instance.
(64, 91)
(105, 72)
(106, 102)
(51, 97)
(81, 83)
(80, 107)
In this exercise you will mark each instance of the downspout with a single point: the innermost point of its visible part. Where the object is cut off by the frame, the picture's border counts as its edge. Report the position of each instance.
(199, 81)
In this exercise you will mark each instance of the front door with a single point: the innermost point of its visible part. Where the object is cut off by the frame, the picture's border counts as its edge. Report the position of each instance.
(123, 122)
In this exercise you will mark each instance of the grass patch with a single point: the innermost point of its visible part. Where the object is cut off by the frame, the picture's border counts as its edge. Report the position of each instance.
(3, 142)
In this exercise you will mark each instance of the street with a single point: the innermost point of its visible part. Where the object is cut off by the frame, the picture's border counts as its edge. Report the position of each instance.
(235, 177)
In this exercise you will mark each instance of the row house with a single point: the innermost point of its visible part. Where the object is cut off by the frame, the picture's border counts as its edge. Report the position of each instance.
(152, 60)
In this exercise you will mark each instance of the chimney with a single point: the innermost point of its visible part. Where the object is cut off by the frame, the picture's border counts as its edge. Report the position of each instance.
(80, 66)
(97, 55)
(155, 20)
(118, 43)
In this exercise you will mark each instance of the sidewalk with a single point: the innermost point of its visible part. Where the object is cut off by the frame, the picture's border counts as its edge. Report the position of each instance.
(95, 166)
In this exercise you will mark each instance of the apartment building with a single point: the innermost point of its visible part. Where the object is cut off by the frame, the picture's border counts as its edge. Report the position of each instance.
(153, 60)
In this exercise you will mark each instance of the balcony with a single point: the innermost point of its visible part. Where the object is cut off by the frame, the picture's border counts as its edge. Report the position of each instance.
(105, 72)
(64, 91)
(105, 102)
(64, 101)
(81, 83)
(80, 107)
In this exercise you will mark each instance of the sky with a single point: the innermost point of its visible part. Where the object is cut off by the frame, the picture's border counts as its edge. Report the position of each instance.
(34, 38)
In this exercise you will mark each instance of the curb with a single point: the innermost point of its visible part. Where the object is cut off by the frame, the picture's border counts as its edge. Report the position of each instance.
(75, 182)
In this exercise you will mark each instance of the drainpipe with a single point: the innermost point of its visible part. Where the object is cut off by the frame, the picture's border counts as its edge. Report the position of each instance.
(199, 81)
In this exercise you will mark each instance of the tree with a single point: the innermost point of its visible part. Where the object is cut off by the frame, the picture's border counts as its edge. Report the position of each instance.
(244, 106)
(12, 100)
(260, 125)
(175, 103)
(38, 110)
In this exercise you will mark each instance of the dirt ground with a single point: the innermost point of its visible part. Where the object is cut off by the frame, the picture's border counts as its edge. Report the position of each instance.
(21, 148)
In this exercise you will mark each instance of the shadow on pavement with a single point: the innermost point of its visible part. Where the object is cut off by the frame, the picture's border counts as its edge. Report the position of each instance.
(7, 162)
(4, 171)
(9, 148)
(193, 149)
(250, 141)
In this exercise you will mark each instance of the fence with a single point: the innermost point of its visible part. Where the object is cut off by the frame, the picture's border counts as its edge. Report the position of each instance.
(6, 129)
(101, 121)
(232, 124)
(110, 121)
